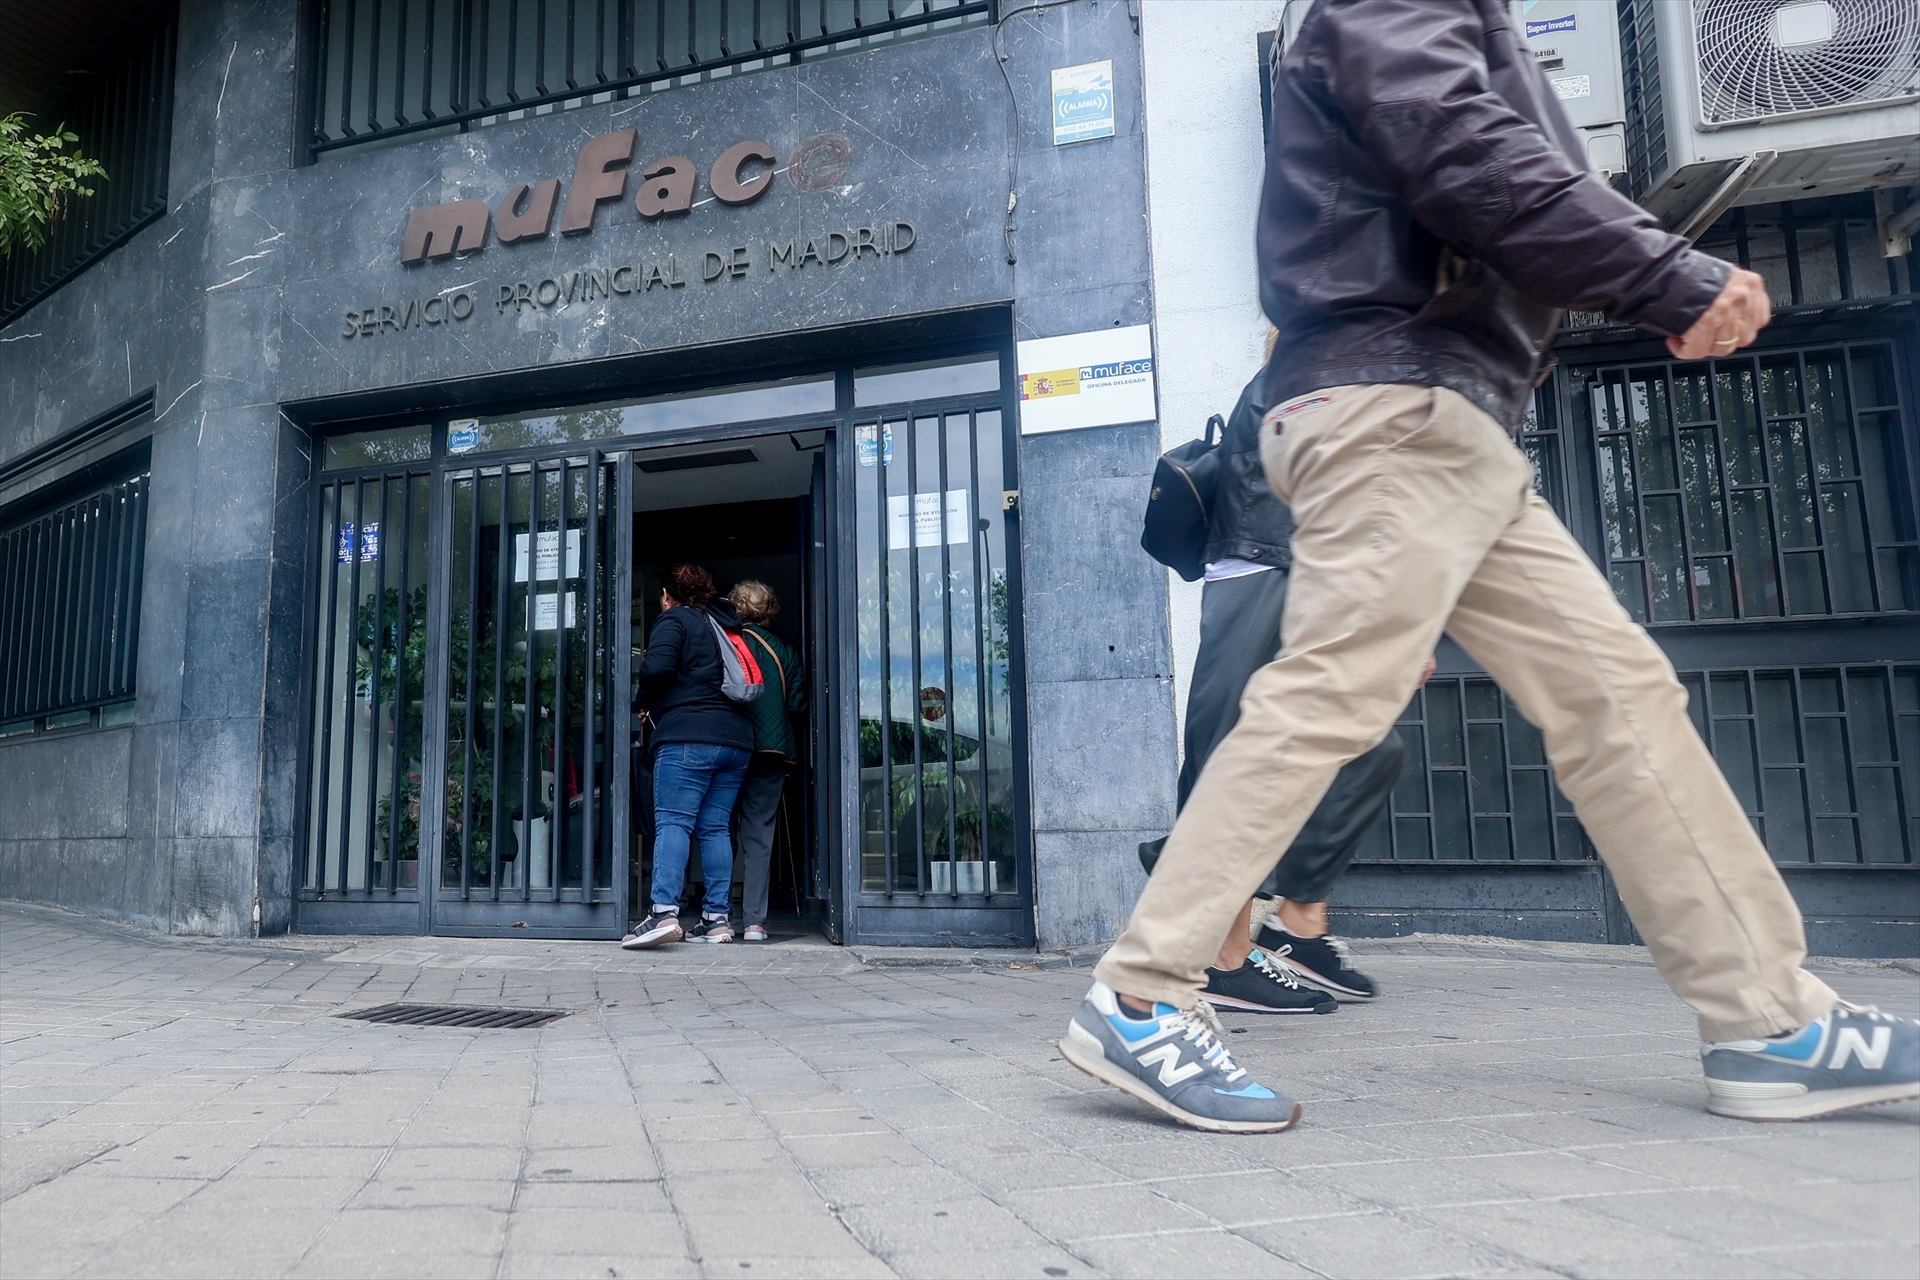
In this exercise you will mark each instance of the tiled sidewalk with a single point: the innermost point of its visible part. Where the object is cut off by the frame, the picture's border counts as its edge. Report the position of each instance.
(174, 1107)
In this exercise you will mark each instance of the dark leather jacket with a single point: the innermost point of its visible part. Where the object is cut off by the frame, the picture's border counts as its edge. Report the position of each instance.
(1248, 520)
(1428, 211)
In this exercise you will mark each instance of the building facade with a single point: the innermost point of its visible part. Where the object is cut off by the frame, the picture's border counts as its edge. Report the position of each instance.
(344, 436)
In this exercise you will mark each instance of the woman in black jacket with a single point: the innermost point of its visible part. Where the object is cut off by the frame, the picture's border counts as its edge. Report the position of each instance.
(702, 741)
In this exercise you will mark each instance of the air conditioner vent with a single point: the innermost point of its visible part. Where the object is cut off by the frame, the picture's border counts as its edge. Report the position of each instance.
(1765, 58)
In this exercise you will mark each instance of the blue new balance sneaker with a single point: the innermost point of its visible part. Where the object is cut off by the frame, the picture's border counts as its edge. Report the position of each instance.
(1855, 1056)
(1173, 1062)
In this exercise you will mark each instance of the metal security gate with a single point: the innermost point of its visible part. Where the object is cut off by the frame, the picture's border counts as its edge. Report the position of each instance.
(938, 853)
(533, 776)
(368, 673)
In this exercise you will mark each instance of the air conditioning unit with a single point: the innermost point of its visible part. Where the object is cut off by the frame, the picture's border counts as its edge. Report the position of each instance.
(1734, 102)
(1577, 46)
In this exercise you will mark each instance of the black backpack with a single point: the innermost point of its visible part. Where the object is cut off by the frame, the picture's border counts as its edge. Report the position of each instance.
(1180, 507)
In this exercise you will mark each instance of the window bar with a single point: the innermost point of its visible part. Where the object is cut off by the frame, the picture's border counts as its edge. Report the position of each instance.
(113, 621)
(540, 12)
(590, 709)
(1843, 266)
(1681, 502)
(10, 613)
(660, 45)
(94, 625)
(563, 477)
(322, 73)
(469, 694)
(1725, 476)
(426, 69)
(883, 537)
(1790, 238)
(726, 27)
(793, 20)
(1815, 489)
(693, 32)
(513, 52)
(348, 31)
(529, 765)
(373, 69)
(460, 72)
(528, 780)
(946, 622)
(914, 684)
(573, 81)
(371, 823)
(137, 534)
(623, 49)
(1808, 816)
(758, 43)
(39, 547)
(402, 10)
(982, 672)
(477, 68)
(1852, 758)
(353, 693)
(396, 804)
(53, 686)
(503, 589)
(323, 707)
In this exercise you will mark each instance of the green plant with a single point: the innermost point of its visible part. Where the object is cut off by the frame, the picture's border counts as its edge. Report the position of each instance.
(38, 177)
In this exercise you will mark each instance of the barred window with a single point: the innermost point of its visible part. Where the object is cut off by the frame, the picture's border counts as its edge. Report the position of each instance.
(70, 605)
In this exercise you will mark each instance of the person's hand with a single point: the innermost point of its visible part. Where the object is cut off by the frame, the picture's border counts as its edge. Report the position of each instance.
(1740, 312)
(1426, 670)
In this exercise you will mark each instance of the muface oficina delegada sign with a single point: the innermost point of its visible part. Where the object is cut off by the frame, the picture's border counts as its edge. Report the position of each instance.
(667, 188)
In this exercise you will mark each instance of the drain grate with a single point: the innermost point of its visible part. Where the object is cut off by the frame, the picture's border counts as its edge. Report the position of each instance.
(455, 1015)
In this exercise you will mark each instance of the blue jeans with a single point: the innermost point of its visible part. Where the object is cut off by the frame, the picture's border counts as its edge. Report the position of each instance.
(694, 785)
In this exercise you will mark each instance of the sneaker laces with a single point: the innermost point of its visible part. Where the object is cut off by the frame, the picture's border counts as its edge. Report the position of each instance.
(1200, 1027)
(1870, 1012)
(1337, 945)
(1278, 972)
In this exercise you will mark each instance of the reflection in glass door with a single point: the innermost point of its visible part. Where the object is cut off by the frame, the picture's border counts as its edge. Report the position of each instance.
(535, 823)
(369, 668)
(939, 773)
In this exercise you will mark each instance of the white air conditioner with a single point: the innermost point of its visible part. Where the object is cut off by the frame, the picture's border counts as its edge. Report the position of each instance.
(1736, 102)
(1577, 46)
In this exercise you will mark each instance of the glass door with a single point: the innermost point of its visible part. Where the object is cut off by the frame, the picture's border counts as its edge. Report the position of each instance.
(938, 851)
(533, 794)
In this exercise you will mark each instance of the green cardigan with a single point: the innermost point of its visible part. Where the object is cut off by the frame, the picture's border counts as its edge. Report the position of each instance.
(786, 693)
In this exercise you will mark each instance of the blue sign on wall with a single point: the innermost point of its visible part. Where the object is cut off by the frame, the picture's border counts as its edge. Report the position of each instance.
(1082, 102)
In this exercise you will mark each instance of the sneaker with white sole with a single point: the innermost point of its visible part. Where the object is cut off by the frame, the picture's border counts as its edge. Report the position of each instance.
(1174, 1062)
(754, 933)
(1264, 985)
(1854, 1056)
(656, 930)
(711, 930)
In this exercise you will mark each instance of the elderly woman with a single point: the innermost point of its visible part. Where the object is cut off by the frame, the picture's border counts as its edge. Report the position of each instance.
(702, 740)
(773, 745)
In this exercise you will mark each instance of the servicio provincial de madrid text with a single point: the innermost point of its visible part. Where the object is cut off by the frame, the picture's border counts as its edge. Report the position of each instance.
(675, 271)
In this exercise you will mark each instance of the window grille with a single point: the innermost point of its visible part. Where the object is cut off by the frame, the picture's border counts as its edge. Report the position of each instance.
(384, 68)
(124, 118)
(70, 603)
(1825, 761)
(1767, 486)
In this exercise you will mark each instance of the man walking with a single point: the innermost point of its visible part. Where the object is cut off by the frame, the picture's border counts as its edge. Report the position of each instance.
(1247, 557)
(1426, 215)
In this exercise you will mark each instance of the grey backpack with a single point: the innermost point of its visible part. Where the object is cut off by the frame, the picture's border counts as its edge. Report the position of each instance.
(740, 677)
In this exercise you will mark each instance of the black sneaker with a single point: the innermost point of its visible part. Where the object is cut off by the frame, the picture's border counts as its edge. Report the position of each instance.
(1323, 961)
(656, 930)
(1261, 985)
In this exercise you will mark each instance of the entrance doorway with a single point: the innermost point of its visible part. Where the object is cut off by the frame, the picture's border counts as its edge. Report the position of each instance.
(742, 510)
(482, 589)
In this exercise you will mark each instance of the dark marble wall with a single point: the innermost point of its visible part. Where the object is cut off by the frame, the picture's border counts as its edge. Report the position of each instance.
(234, 305)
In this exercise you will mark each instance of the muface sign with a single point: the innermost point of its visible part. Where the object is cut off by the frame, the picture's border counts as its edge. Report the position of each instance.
(739, 175)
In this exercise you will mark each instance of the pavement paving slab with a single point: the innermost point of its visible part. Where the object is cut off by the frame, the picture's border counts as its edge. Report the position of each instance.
(198, 1107)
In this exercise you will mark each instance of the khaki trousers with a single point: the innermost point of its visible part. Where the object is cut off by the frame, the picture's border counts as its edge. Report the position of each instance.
(1416, 515)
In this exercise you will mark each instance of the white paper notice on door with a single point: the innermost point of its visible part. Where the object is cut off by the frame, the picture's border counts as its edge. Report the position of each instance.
(546, 556)
(546, 611)
(927, 509)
